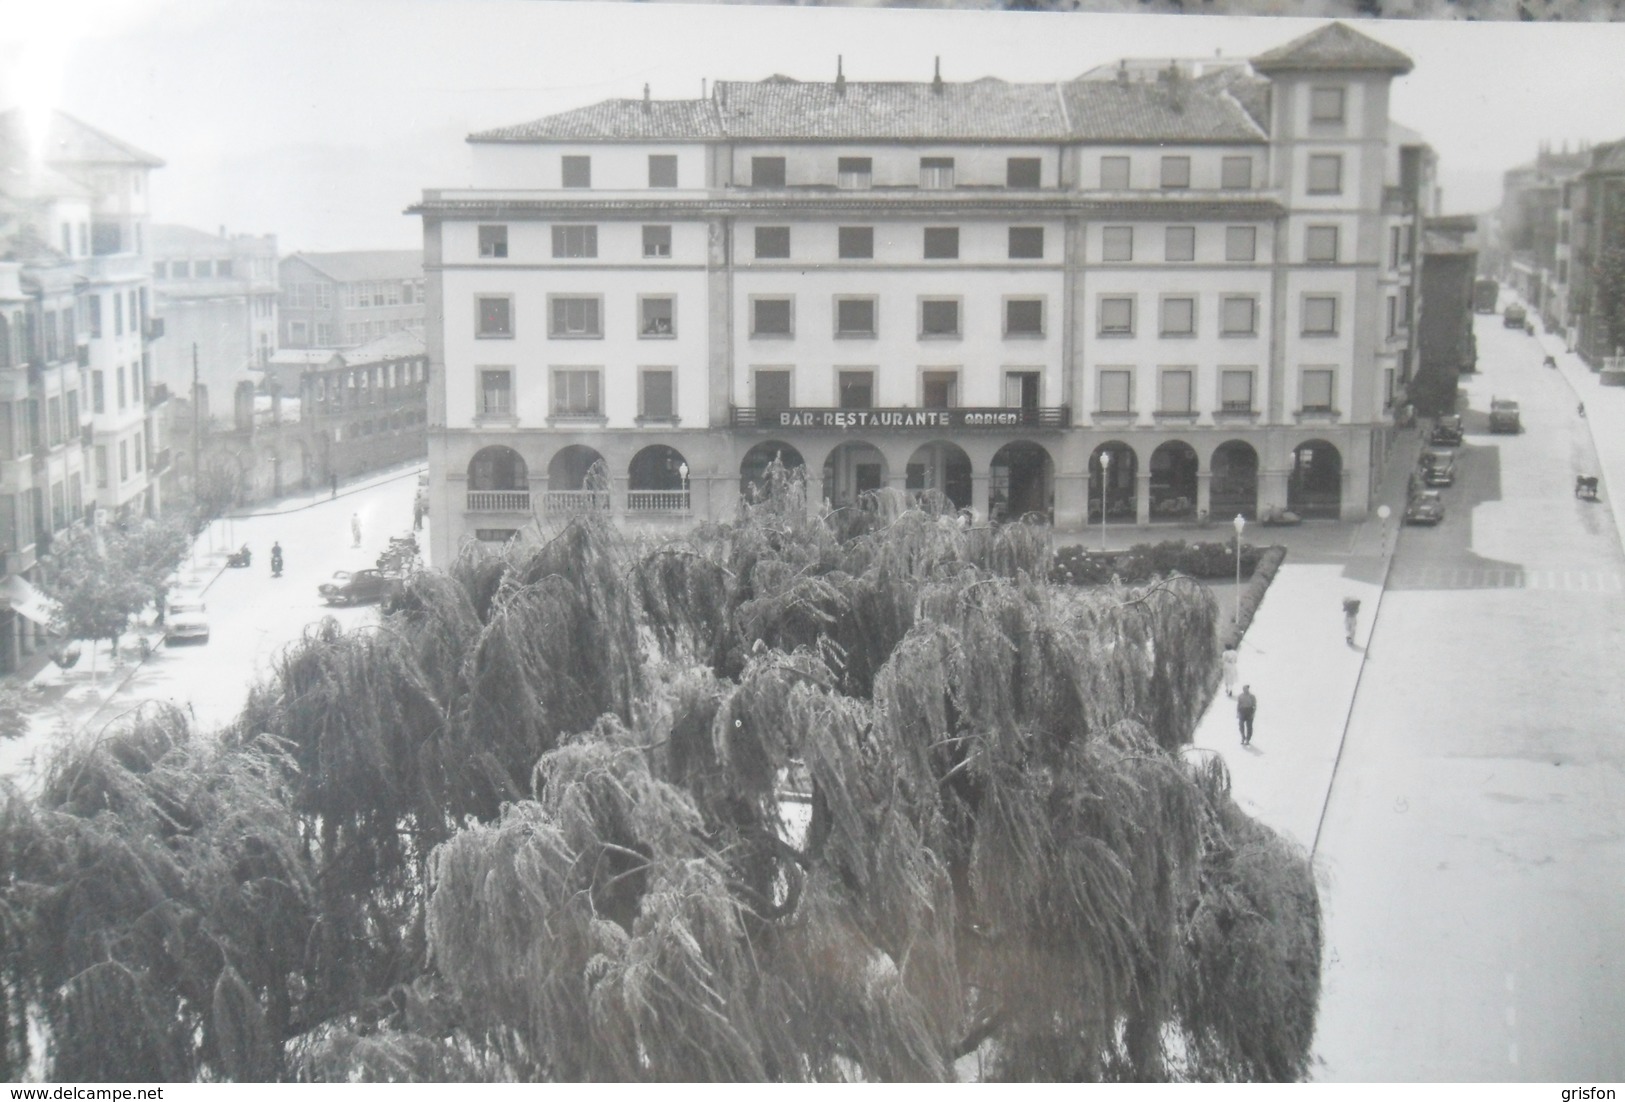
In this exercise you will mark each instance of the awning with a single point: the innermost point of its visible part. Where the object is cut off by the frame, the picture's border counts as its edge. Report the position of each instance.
(27, 601)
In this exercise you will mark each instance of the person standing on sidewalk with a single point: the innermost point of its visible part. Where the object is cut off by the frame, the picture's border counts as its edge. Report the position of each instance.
(1351, 618)
(1230, 670)
(355, 528)
(1246, 706)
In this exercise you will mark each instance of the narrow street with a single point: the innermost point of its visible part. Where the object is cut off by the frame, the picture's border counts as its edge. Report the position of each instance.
(1473, 848)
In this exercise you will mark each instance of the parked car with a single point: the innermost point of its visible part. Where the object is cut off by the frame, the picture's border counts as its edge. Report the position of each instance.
(186, 619)
(1446, 431)
(1514, 317)
(1438, 466)
(350, 587)
(1504, 416)
(1426, 507)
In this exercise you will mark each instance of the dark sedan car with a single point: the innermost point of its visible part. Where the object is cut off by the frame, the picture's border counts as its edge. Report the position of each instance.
(1446, 431)
(351, 587)
(1425, 508)
(1438, 467)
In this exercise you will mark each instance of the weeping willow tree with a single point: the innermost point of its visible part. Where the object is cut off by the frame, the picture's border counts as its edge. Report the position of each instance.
(791, 798)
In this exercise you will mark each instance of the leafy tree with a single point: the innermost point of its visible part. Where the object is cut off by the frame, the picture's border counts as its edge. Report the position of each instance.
(535, 826)
(95, 585)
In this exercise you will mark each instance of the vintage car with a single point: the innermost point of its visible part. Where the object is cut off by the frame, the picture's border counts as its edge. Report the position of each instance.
(1438, 466)
(1446, 431)
(352, 587)
(1504, 416)
(1514, 317)
(1426, 507)
(186, 619)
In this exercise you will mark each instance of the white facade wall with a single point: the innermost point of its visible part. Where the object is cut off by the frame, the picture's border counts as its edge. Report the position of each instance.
(894, 164)
(614, 167)
(1145, 165)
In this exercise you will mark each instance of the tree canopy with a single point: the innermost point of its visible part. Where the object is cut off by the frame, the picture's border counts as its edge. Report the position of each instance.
(793, 798)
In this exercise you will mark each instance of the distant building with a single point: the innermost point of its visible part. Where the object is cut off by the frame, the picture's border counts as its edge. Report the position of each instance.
(344, 300)
(218, 295)
(1525, 252)
(1595, 313)
(1449, 267)
(76, 325)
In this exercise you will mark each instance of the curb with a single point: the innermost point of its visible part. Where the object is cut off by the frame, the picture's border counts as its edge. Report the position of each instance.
(345, 491)
(1566, 370)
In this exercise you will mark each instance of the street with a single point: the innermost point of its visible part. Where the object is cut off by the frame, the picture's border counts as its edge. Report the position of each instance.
(1472, 853)
(252, 616)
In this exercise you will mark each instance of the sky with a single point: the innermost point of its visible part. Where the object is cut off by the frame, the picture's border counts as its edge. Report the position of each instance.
(321, 120)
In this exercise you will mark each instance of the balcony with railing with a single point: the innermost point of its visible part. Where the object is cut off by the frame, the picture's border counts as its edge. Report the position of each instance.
(499, 501)
(674, 502)
(902, 419)
(574, 502)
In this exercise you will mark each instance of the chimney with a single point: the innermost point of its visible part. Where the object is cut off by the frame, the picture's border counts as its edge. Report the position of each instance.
(1176, 86)
(936, 79)
(1122, 70)
(840, 77)
(645, 99)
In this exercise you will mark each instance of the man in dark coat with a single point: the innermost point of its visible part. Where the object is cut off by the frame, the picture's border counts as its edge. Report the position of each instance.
(1246, 705)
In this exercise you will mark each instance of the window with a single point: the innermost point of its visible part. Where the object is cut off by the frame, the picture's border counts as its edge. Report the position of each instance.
(1236, 173)
(1117, 316)
(1393, 246)
(657, 316)
(854, 172)
(939, 317)
(1404, 307)
(1238, 316)
(101, 465)
(577, 171)
(1325, 173)
(496, 535)
(1117, 243)
(942, 242)
(855, 389)
(53, 417)
(139, 448)
(855, 317)
(771, 317)
(1326, 105)
(324, 334)
(656, 394)
(662, 170)
(324, 296)
(1236, 390)
(772, 389)
(1179, 317)
(767, 172)
(494, 241)
(1320, 315)
(123, 392)
(118, 323)
(1179, 243)
(73, 413)
(1393, 315)
(772, 242)
(1024, 317)
(936, 173)
(1022, 389)
(1320, 244)
(496, 392)
(495, 316)
(1026, 242)
(1023, 172)
(1176, 172)
(200, 269)
(1174, 390)
(160, 270)
(575, 316)
(123, 460)
(939, 389)
(95, 315)
(856, 242)
(222, 268)
(1315, 389)
(297, 334)
(1241, 243)
(576, 393)
(1116, 390)
(575, 241)
(657, 241)
(1114, 173)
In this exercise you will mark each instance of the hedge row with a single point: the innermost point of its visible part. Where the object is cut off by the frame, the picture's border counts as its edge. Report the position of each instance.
(1144, 561)
(1252, 595)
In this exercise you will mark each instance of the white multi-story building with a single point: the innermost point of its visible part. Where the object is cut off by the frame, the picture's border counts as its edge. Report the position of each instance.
(1157, 297)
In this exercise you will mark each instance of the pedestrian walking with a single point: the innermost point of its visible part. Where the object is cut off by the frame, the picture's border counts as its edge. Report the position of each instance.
(1351, 618)
(1246, 706)
(417, 516)
(1230, 671)
(335, 481)
(355, 528)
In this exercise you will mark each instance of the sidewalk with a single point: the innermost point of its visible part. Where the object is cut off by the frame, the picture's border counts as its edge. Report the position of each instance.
(1300, 668)
(1605, 420)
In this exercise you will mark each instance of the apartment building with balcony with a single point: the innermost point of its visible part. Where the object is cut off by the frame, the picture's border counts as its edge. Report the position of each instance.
(345, 300)
(218, 297)
(1157, 297)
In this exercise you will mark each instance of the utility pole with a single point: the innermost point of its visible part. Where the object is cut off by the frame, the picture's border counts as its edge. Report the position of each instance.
(197, 435)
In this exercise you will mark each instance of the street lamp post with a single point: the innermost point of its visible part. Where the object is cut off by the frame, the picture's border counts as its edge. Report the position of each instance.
(1383, 513)
(1240, 522)
(1105, 468)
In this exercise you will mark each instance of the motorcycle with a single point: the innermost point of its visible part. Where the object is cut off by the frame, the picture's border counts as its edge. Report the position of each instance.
(276, 564)
(240, 558)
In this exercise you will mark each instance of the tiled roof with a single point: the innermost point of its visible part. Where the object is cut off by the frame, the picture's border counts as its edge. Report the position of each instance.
(69, 141)
(1334, 47)
(374, 265)
(617, 119)
(1608, 157)
(394, 346)
(987, 110)
(1178, 110)
(1244, 86)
